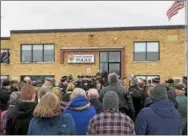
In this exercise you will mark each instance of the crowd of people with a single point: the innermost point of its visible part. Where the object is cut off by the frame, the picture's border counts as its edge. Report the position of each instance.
(93, 105)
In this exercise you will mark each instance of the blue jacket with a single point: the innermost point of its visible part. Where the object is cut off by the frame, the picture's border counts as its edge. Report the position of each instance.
(81, 112)
(59, 125)
(161, 118)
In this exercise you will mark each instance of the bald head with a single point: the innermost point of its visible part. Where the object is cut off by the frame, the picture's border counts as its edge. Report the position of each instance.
(93, 93)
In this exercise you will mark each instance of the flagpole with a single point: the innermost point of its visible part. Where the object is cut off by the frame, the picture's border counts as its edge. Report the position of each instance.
(186, 38)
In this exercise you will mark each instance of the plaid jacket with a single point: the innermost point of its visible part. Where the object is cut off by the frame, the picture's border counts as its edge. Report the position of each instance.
(111, 123)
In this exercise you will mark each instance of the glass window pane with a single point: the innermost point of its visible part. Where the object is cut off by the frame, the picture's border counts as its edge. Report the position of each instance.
(140, 47)
(140, 56)
(104, 67)
(37, 53)
(26, 53)
(152, 47)
(114, 68)
(141, 77)
(151, 77)
(114, 56)
(49, 53)
(152, 56)
(152, 51)
(4, 57)
(103, 57)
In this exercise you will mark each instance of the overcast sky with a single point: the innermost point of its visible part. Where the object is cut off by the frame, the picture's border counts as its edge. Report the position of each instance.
(20, 15)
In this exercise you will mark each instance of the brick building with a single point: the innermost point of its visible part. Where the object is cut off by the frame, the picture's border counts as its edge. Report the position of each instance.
(146, 51)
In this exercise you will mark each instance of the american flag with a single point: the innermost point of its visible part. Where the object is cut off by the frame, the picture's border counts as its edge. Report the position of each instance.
(174, 9)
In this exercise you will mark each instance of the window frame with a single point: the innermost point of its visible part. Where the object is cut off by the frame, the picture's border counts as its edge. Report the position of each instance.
(43, 44)
(146, 59)
(108, 62)
(8, 56)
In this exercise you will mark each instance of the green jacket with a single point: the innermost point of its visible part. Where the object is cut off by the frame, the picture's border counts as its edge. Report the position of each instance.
(182, 107)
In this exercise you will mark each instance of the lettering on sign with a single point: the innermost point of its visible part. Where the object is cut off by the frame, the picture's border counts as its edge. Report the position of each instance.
(81, 59)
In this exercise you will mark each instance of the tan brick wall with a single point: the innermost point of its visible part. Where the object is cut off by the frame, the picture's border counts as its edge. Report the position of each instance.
(171, 64)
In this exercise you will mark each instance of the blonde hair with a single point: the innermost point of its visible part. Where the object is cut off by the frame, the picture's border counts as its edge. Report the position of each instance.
(57, 92)
(49, 105)
(70, 87)
(78, 92)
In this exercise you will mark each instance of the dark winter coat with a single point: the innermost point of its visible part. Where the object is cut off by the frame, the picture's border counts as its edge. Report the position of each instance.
(161, 118)
(4, 98)
(148, 102)
(18, 120)
(96, 103)
(62, 124)
(81, 112)
(125, 102)
(137, 98)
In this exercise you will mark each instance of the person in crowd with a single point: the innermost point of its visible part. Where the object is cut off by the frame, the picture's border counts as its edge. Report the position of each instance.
(155, 81)
(1, 127)
(46, 87)
(67, 95)
(81, 110)
(161, 118)
(27, 80)
(182, 103)
(4, 94)
(58, 93)
(185, 129)
(63, 84)
(13, 101)
(14, 85)
(111, 121)
(125, 100)
(185, 84)
(137, 93)
(18, 120)
(93, 97)
(148, 101)
(49, 120)
(20, 85)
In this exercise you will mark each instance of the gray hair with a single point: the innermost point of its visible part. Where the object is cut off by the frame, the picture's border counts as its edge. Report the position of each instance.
(112, 78)
(78, 92)
(93, 93)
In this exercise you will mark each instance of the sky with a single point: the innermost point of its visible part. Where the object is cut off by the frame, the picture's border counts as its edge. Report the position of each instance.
(27, 15)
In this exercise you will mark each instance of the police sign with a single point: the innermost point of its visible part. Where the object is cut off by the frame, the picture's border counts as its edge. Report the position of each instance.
(81, 59)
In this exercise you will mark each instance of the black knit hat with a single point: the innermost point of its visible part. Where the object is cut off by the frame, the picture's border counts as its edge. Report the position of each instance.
(64, 78)
(6, 82)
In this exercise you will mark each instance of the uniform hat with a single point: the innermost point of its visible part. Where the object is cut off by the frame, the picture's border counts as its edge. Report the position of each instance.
(111, 101)
(180, 87)
(64, 78)
(185, 77)
(6, 82)
(49, 79)
(170, 81)
(158, 93)
(156, 80)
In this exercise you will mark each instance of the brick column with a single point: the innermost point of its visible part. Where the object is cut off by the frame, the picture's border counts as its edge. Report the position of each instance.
(123, 63)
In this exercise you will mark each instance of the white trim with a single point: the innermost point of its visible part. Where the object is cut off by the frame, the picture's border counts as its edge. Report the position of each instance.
(92, 48)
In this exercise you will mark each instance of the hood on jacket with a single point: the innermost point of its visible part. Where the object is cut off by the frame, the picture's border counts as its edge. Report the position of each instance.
(79, 103)
(164, 108)
(24, 109)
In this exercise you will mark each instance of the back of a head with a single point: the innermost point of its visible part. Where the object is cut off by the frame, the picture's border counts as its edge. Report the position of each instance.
(111, 101)
(43, 90)
(70, 87)
(158, 93)
(14, 98)
(93, 93)
(112, 78)
(6, 82)
(27, 92)
(48, 107)
(78, 92)
(20, 85)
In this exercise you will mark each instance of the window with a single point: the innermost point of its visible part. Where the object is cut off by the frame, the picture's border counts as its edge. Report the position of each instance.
(146, 51)
(4, 57)
(38, 78)
(147, 77)
(37, 53)
(110, 62)
(2, 77)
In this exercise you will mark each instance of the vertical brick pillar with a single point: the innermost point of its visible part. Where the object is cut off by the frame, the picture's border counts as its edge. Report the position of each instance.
(123, 63)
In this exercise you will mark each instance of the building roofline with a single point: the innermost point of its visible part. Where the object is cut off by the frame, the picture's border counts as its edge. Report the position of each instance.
(98, 29)
(5, 38)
